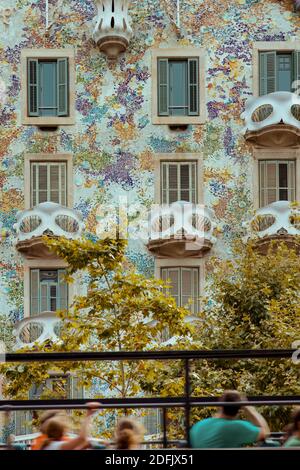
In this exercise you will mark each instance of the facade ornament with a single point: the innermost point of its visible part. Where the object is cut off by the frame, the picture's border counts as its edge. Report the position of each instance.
(112, 31)
(273, 119)
(181, 229)
(47, 218)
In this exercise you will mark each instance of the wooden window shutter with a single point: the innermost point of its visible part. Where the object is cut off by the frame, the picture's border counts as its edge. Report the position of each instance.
(296, 70)
(267, 72)
(193, 87)
(186, 287)
(185, 182)
(34, 292)
(33, 87)
(163, 87)
(54, 183)
(193, 184)
(63, 183)
(62, 87)
(62, 290)
(174, 278)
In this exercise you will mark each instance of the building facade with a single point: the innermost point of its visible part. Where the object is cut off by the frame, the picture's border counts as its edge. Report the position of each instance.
(186, 104)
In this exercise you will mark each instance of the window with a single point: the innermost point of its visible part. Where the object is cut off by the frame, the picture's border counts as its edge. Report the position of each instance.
(48, 182)
(152, 422)
(48, 290)
(48, 87)
(178, 87)
(62, 386)
(47, 82)
(185, 286)
(277, 181)
(278, 70)
(178, 182)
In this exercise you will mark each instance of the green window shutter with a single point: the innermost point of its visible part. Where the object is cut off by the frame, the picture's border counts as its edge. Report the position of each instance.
(267, 72)
(193, 87)
(62, 303)
(163, 87)
(296, 70)
(62, 87)
(34, 292)
(33, 87)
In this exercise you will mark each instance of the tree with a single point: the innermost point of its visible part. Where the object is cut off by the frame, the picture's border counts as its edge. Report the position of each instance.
(254, 303)
(120, 311)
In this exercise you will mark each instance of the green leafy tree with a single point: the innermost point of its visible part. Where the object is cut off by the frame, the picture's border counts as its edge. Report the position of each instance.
(120, 311)
(254, 303)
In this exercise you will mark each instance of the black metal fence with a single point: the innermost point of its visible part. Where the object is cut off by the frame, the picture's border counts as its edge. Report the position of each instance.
(185, 402)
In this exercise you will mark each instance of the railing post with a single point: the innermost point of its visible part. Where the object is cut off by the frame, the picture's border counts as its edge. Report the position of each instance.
(165, 433)
(187, 401)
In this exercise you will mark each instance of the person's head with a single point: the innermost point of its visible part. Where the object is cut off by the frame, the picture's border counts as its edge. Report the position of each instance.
(232, 397)
(49, 415)
(296, 420)
(128, 434)
(55, 428)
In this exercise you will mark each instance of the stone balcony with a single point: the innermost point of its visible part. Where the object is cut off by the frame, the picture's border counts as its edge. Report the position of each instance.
(181, 230)
(277, 222)
(112, 31)
(47, 218)
(273, 120)
(36, 330)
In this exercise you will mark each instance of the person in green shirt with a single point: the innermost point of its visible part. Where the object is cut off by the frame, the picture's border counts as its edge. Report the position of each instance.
(226, 430)
(294, 439)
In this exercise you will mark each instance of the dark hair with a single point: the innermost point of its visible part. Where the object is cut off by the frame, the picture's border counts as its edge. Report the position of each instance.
(296, 420)
(231, 396)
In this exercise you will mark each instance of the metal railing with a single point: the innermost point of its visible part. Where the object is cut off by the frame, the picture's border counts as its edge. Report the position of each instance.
(187, 401)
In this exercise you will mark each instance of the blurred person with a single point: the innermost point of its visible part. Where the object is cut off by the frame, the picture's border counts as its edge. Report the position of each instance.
(56, 428)
(294, 438)
(128, 434)
(38, 441)
(226, 430)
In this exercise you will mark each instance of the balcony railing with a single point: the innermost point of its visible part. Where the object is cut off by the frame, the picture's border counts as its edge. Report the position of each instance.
(273, 119)
(181, 229)
(186, 401)
(37, 329)
(46, 218)
(279, 221)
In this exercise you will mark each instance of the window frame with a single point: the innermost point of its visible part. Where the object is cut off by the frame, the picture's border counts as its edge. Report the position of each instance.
(46, 54)
(179, 189)
(170, 263)
(268, 46)
(48, 158)
(179, 53)
(48, 296)
(262, 190)
(197, 158)
(283, 154)
(43, 264)
(180, 296)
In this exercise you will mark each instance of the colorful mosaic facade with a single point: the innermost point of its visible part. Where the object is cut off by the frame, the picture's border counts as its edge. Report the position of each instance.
(114, 141)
